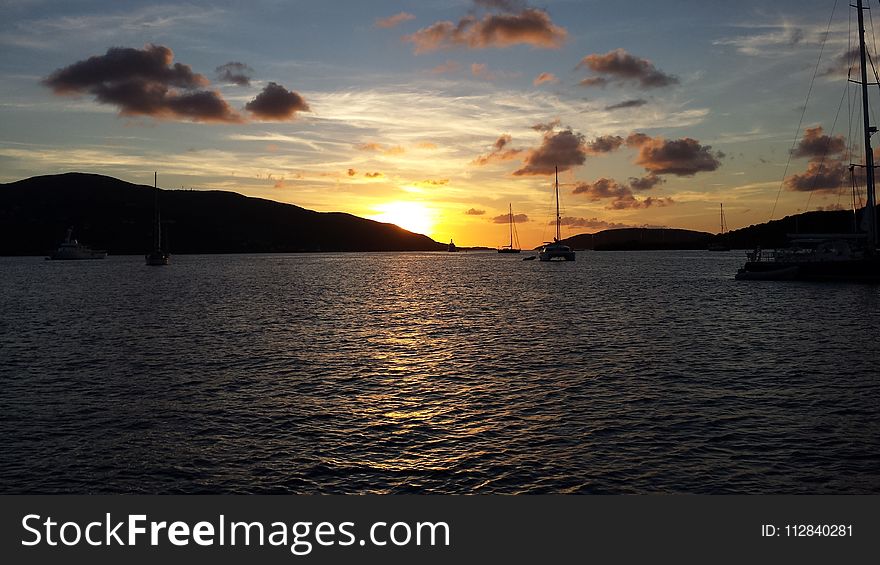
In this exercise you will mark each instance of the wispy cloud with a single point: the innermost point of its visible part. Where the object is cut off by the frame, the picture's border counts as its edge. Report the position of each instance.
(393, 21)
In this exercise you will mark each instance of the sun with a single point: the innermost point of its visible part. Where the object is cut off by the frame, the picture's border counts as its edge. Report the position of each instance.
(411, 216)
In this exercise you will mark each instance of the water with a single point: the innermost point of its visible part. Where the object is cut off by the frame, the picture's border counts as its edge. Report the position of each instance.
(631, 372)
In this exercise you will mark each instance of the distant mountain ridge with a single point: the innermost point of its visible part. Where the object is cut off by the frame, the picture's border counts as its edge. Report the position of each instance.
(631, 239)
(116, 215)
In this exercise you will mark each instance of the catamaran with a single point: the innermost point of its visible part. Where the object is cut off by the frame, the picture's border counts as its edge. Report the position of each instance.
(556, 249)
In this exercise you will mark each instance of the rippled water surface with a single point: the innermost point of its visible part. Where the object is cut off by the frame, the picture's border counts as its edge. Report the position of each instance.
(631, 372)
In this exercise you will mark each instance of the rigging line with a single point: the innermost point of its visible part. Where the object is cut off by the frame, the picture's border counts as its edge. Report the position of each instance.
(804, 111)
(827, 147)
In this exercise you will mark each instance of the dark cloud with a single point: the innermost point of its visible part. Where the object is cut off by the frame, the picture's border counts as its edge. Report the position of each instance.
(499, 152)
(374, 175)
(816, 145)
(627, 104)
(843, 63)
(505, 218)
(620, 66)
(820, 176)
(681, 157)
(564, 149)
(594, 224)
(143, 82)
(594, 81)
(631, 201)
(352, 172)
(276, 103)
(530, 26)
(621, 195)
(234, 72)
(645, 183)
(602, 188)
(549, 126)
(393, 21)
(604, 144)
(475, 212)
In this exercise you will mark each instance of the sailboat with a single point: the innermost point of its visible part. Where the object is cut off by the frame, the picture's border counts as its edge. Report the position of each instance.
(451, 247)
(556, 249)
(509, 248)
(157, 256)
(722, 242)
(833, 257)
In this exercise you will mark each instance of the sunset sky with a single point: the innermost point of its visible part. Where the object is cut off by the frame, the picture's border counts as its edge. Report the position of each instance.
(437, 114)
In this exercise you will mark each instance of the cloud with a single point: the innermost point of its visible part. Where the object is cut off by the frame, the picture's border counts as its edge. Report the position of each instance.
(432, 182)
(393, 21)
(143, 82)
(481, 70)
(594, 81)
(545, 78)
(475, 212)
(531, 26)
(820, 176)
(372, 146)
(505, 218)
(635, 103)
(619, 66)
(499, 152)
(621, 195)
(631, 202)
(594, 224)
(602, 188)
(564, 149)
(430, 146)
(843, 63)
(549, 126)
(645, 183)
(447, 67)
(604, 144)
(774, 42)
(351, 172)
(815, 145)
(234, 72)
(681, 157)
(276, 103)
(374, 175)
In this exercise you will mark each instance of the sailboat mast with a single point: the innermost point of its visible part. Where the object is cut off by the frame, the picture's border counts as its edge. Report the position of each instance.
(510, 222)
(558, 219)
(156, 218)
(869, 156)
(722, 218)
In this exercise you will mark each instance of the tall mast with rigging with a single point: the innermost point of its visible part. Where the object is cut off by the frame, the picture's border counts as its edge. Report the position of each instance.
(558, 219)
(869, 130)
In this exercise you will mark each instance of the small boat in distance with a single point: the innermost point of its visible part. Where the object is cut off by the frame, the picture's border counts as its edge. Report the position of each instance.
(72, 249)
(451, 248)
(722, 240)
(509, 248)
(555, 249)
(157, 256)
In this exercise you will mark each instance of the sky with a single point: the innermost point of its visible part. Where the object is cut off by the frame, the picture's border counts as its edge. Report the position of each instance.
(438, 115)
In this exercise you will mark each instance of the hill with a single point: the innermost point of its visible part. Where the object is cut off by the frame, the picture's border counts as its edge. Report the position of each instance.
(115, 215)
(629, 239)
(768, 235)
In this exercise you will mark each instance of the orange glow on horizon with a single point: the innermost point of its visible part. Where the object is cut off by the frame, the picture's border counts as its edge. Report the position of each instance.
(411, 216)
